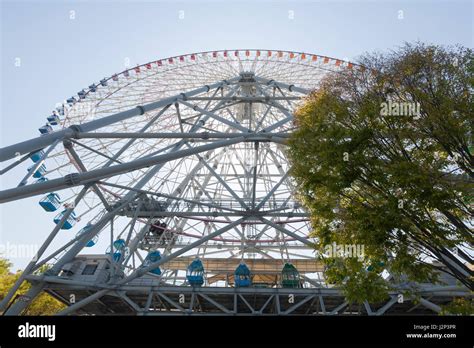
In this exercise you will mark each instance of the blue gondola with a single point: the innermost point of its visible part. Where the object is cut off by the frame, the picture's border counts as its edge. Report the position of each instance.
(376, 266)
(103, 82)
(36, 156)
(91, 242)
(117, 256)
(81, 94)
(195, 273)
(40, 180)
(60, 110)
(39, 172)
(70, 221)
(53, 119)
(46, 129)
(93, 87)
(119, 250)
(152, 257)
(119, 244)
(242, 276)
(50, 202)
(71, 101)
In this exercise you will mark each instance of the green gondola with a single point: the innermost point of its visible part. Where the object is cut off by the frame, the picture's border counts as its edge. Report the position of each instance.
(290, 277)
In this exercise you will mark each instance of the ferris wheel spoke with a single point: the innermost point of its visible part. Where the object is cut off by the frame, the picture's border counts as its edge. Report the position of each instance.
(131, 141)
(69, 148)
(223, 182)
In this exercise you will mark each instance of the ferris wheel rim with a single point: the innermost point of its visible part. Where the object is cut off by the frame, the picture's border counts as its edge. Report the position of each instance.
(225, 53)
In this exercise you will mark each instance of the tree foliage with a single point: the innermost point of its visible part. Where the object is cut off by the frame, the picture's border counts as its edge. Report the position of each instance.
(43, 304)
(398, 184)
(459, 306)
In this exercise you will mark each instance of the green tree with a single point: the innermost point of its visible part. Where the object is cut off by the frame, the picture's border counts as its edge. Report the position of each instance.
(459, 306)
(43, 304)
(397, 181)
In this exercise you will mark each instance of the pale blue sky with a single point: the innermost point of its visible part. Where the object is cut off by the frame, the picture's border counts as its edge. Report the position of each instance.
(60, 56)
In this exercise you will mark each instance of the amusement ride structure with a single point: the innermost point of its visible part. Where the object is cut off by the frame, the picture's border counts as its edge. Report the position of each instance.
(171, 181)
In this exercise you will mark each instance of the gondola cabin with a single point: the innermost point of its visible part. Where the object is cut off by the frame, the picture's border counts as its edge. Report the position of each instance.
(40, 180)
(37, 156)
(53, 119)
(119, 244)
(290, 277)
(70, 221)
(158, 228)
(377, 266)
(60, 110)
(50, 202)
(152, 257)
(119, 250)
(195, 273)
(93, 240)
(46, 129)
(242, 276)
(117, 256)
(39, 172)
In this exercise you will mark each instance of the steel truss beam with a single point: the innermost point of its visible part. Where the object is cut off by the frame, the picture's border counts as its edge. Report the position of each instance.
(146, 300)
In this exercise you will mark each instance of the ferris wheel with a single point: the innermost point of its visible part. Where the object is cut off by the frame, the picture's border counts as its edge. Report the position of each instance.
(179, 157)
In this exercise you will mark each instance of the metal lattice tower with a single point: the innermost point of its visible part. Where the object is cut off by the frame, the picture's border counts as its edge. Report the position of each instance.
(185, 156)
